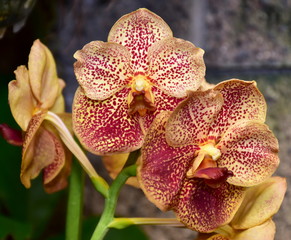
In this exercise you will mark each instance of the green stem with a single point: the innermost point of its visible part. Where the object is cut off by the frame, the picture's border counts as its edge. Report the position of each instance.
(75, 202)
(121, 223)
(110, 202)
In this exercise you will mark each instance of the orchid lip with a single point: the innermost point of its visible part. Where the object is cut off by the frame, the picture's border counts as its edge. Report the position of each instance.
(205, 166)
(141, 98)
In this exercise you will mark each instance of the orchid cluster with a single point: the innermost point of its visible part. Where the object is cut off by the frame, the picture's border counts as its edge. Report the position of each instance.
(143, 104)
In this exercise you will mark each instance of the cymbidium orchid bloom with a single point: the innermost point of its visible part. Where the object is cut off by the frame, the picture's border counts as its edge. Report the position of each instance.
(198, 160)
(36, 91)
(125, 82)
(253, 218)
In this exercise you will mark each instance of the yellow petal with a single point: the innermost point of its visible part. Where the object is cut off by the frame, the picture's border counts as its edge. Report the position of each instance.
(266, 231)
(218, 237)
(20, 97)
(59, 104)
(260, 203)
(115, 163)
(43, 75)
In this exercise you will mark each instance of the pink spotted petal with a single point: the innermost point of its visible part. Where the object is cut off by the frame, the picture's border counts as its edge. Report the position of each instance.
(54, 168)
(203, 208)
(250, 150)
(137, 31)
(191, 120)
(163, 102)
(162, 168)
(176, 66)
(60, 181)
(242, 101)
(102, 69)
(38, 150)
(105, 127)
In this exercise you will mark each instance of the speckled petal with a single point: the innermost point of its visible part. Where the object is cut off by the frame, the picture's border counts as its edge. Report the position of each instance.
(162, 168)
(163, 102)
(37, 151)
(105, 127)
(54, 168)
(60, 181)
(191, 120)
(260, 203)
(203, 208)
(137, 31)
(250, 150)
(43, 75)
(102, 69)
(176, 66)
(21, 100)
(266, 231)
(242, 101)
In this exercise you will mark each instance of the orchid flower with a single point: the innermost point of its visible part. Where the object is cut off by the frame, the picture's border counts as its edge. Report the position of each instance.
(37, 105)
(199, 159)
(253, 218)
(125, 82)
(36, 91)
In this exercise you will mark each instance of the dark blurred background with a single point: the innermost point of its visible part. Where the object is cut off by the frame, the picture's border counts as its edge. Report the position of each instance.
(246, 39)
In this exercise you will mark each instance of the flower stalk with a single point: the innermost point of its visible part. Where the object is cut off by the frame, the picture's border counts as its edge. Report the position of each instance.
(121, 223)
(110, 202)
(75, 203)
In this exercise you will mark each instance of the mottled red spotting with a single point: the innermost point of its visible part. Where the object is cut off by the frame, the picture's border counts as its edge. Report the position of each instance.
(250, 150)
(102, 69)
(33, 126)
(137, 31)
(203, 208)
(162, 167)
(191, 120)
(105, 126)
(242, 101)
(176, 66)
(163, 102)
(53, 169)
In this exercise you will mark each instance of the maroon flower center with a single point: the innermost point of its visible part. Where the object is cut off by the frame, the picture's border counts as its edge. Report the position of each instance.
(205, 166)
(141, 98)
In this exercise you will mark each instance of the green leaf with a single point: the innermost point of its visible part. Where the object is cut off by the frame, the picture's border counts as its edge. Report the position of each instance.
(11, 227)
